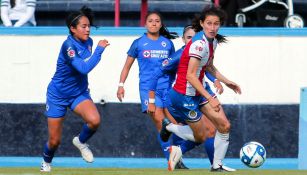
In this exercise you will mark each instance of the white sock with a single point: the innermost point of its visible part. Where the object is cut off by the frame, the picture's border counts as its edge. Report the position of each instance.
(221, 142)
(184, 132)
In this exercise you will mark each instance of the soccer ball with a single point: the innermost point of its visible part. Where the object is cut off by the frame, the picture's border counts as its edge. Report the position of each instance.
(253, 154)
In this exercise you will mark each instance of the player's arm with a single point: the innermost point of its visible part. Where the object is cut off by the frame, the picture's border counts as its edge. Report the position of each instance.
(5, 13)
(30, 9)
(123, 76)
(84, 66)
(215, 72)
(194, 81)
(217, 84)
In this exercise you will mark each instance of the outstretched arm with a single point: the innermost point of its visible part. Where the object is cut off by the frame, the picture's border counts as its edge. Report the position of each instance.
(215, 72)
(123, 77)
(84, 66)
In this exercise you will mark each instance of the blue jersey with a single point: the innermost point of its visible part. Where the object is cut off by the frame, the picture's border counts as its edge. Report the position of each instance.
(150, 55)
(169, 67)
(75, 61)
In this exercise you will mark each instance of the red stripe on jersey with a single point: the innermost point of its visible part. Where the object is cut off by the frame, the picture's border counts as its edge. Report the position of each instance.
(181, 80)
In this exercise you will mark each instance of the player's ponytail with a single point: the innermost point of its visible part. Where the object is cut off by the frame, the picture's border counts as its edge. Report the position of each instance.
(167, 34)
(202, 16)
(163, 30)
(73, 18)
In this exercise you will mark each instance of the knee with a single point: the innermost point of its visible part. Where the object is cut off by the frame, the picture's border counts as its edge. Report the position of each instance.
(200, 137)
(54, 143)
(211, 132)
(94, 123)
(225, 127)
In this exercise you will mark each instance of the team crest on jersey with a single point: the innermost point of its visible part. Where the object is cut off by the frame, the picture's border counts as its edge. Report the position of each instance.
(165, 62)
(146, 53)
(71, 53)
(146, 102)
(192, 114)
(89, 48)
(163, 44)
(47, 107)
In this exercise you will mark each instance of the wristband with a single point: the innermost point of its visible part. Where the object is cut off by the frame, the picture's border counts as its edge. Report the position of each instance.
(151, 100)
(121, 84)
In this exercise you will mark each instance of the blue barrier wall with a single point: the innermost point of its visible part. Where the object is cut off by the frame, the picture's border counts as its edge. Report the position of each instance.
(302, 158)
(126, 132)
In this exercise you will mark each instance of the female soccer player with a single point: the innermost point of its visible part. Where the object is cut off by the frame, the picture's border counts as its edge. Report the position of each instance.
(189, 96)
(69, 87)
(169, 67)
(150, 50)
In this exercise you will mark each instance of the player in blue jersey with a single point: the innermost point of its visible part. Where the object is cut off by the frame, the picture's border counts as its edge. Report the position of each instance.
(169, 67)
(150, 50)
(190, 98)
(69, 87)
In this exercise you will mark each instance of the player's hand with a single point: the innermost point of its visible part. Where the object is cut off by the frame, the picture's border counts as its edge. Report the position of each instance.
(218, 86)
(103, 43)
(120, 93)
(232, 85)
(151, 108)
(214, 103)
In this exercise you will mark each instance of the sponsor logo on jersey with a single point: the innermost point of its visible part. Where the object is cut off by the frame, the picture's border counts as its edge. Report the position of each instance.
(163, 43)
(146, 53)
(145, 44)
(192, 114)
(199, 48)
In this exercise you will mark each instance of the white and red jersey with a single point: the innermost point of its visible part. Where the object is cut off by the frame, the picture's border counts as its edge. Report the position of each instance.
(200, 48)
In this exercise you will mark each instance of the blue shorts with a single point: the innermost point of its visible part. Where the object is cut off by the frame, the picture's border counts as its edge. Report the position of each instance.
(187, 108)
(57, 107)
(161, 99)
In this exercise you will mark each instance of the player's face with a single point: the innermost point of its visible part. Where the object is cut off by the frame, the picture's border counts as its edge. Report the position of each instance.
(188, 36)
(82, 30)
(211, 25)
(153, 23)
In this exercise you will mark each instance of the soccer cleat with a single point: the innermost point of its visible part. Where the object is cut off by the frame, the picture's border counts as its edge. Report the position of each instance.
(86, 153)
(45, 167)
(164, 133)
(181, 166)
(222, 168)
(174, 157)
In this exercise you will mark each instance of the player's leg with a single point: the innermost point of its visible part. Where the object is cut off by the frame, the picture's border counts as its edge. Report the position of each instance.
(221, 140)
(175, 139)
(55, 113)
(85, 107)
(209, 143)
(54, 139)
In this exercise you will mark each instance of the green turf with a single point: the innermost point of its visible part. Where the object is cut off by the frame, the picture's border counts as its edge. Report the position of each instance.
(121, 171)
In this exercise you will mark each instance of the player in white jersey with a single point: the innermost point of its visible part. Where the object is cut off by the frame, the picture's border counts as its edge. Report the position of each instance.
(191, 98)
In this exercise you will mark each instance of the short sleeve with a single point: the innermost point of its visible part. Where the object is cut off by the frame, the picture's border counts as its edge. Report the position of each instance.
(133, 49)
(198, 49)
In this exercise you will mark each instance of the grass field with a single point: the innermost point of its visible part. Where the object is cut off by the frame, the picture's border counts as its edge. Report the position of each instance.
(121, 171)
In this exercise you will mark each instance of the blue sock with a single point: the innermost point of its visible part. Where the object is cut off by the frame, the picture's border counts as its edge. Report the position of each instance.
(187, 145)
(177, 140)
(48, 154)
(209, 146)
(86, 133)
(165, 147)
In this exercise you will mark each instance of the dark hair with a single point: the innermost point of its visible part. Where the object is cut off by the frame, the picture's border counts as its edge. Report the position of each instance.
(186, 28)
(163, 30)
(13, 3)
(214, 11)
(73, 18)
